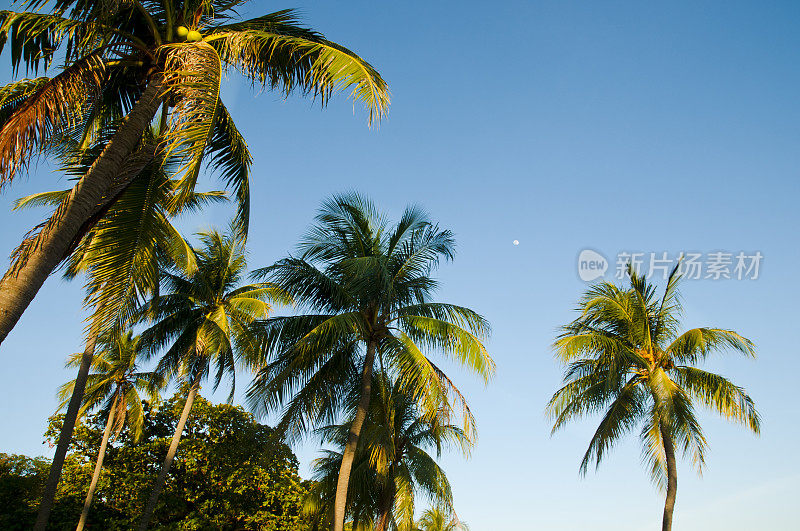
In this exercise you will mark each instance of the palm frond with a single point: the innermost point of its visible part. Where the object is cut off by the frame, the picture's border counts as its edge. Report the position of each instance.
(35, 37)
(621, 417)
(56, 104)
(41, 199)
(450, 339)
(193, 76)
(274, 51)
(719, 393)
(230, 156)
(698, 343)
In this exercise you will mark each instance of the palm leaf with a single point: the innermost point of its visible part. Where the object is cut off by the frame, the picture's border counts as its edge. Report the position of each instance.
(231, 157)
(56, 104)
(193, 76)
(623, 413)
(719, 393)
(274, 51)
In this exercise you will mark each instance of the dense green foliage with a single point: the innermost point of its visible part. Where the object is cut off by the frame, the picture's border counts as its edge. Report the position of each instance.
(230, 473)
(21, 481)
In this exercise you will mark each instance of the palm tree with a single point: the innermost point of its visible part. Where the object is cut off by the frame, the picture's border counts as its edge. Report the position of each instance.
(626, 355)
(391, 463)
(115, 386)
(121, 257)
(132, 59)
(440, 519)
(203, 318)
(368, 287)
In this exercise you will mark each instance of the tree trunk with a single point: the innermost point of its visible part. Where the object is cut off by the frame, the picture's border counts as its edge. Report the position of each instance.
(386, 496)
(48, 498)
(672, 479)
(97, 467)
(384, 517)
(45, 251)
(340, 502)
(173, 447)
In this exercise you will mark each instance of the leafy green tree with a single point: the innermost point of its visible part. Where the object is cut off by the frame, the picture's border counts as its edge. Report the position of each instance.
(440, 519)
(203, 319)
(368, 286)
(21, 481)
(132, 60)
(115, 386)
(232, 473)
(391, 465)
(626, 355)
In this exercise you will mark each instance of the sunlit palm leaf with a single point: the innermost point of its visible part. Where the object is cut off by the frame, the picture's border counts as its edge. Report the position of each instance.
(275, 52)
(193, 76)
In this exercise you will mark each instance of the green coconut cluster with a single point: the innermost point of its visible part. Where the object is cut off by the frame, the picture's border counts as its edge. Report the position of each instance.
(189, 35)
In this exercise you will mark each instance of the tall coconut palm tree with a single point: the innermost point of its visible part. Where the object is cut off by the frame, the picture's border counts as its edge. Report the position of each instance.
(120, 258)
(626, 355)
(391, 464)
(132, 59)
(368, 286)
(440, 519)
(203, 319)
(116, 386)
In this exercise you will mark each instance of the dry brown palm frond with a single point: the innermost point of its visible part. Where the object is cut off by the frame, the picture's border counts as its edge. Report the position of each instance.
(56, 105)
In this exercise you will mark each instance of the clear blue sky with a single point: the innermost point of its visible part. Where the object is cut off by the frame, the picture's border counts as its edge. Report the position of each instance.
(563, 125)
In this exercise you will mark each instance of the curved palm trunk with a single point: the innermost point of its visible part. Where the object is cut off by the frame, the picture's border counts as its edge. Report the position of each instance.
(340, 502)
(97, 467)
(104, 180)
(173, 447)
(48, 498)
(672, 479)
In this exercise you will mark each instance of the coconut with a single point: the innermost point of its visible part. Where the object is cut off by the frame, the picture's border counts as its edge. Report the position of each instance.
(194, 36)
(182, 31)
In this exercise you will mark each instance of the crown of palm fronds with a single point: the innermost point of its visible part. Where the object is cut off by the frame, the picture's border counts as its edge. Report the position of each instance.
(202, 317)
(440, 518)
(362, 281)
(116, 383)
(626, 357)
(113, 50)
(392, 465)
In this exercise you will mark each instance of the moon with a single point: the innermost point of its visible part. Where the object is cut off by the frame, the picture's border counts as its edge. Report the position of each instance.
(515, 242)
